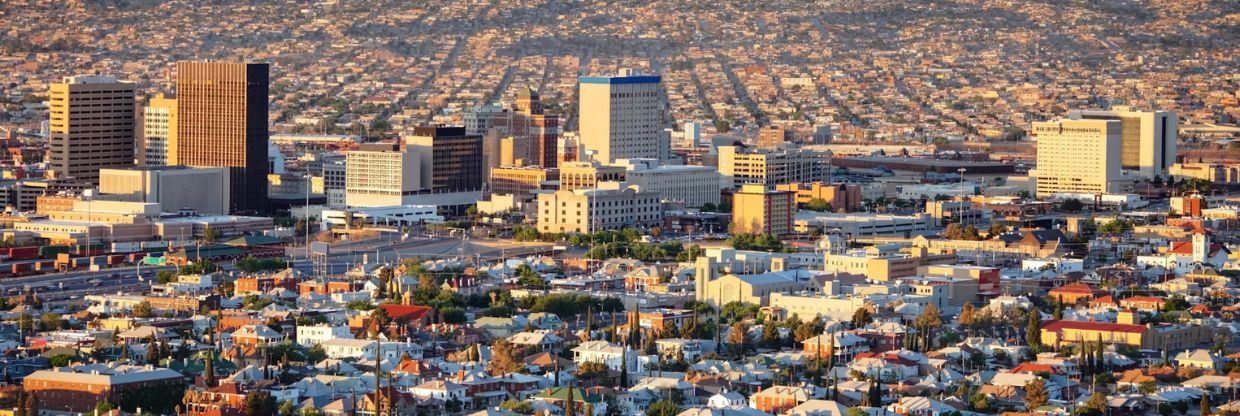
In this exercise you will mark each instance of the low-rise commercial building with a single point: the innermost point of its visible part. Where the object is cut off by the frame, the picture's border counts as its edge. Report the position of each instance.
(739, 165)
(842, 197)
(694, 186)
(585, 210)
(204, 190)
(79, 388)
(861, 224)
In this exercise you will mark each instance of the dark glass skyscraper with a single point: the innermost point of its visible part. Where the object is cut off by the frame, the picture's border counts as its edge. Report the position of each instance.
(222, 121)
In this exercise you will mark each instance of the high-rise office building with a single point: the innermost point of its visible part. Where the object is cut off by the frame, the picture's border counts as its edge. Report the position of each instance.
(90, 127)
(621, 117)
(455, 158)
(382, 175)
(693, 134)
(533, 135)
(541, 130)
(222, 122)
(1077, 156)
(1147, 138)
(159, 132)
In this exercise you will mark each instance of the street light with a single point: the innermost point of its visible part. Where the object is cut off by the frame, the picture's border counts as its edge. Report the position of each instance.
(961, 170)
(306, 215)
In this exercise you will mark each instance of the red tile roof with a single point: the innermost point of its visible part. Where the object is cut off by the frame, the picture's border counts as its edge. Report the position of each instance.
(410, 312)
(1186, 248)
(1074, 288)
(1136, 300)
(1092, 326)
(1033, 368)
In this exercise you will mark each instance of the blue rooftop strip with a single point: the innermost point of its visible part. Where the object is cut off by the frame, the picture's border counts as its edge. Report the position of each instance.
(637, 79)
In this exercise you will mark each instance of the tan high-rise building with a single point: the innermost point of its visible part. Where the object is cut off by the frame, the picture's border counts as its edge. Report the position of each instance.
(222, 122)
(621, 117)
(756, 210)
(383, 175)
(1147, 138)
(1077, 156)
(91, 127)
(159, 132)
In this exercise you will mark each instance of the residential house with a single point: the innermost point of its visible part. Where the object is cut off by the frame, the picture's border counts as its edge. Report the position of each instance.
(778, 399)
(541, 340)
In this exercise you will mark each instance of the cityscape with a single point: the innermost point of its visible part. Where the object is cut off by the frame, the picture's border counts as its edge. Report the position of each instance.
(662, 208)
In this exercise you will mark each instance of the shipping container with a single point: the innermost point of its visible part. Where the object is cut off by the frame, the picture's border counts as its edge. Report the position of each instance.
(89, 250)
(126, 247)
(136, 257)
(149, 245)
(24, 253)
(116, 259)
(23, 268)
(50, 252)
(45, 266)
(78, 262)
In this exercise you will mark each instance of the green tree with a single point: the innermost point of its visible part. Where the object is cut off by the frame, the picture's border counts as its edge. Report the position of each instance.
(1035, 394)
(209, 235)
(738, 339)
(506, 357)
(287, 408)
(663, 407)
(1033, 331)
(1071, 205)
(259, 403)
(861, 317)
(208, 370)
(102, 408)
(142, 310)
(817, 204)
(521, 406)
(927, 322)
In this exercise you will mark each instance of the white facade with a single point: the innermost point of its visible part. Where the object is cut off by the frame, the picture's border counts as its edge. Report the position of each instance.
(158, 123)
(1060, 265)
(858, 224)
(382, 178)
(693, 134)
(1148, 138)
(693, 185)
(439, 389)
(394, 215)
(621, 117)
(604, 353)
(310, 335)
(738, 166)
(583, 210)
(830, 308)
(1077, 156)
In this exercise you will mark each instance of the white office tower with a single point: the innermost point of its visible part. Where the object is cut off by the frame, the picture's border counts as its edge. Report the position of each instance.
(159, 125)
(1147, 138)
(693, 134)
(1077, 156)
(621, 117)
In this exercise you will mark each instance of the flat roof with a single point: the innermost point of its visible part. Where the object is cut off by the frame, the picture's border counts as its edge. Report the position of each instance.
(618, 80)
